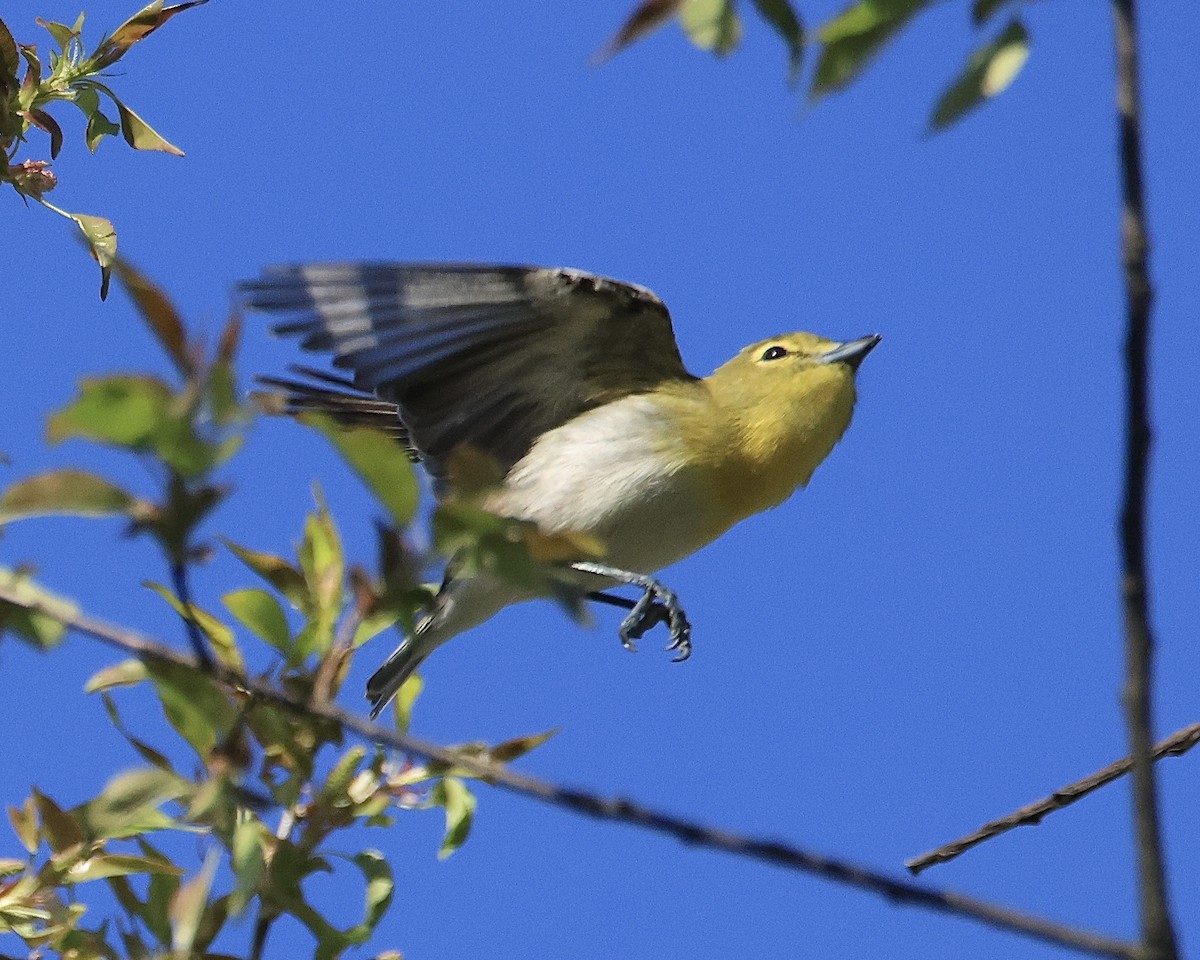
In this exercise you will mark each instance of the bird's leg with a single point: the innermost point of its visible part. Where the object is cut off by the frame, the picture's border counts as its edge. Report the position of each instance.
(656, 605)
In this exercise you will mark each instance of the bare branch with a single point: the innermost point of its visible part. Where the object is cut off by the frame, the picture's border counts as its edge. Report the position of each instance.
(614, 808)
(1177, 744)
(1158, 937)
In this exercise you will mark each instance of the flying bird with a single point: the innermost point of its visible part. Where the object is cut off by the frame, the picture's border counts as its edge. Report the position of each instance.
(574, 384)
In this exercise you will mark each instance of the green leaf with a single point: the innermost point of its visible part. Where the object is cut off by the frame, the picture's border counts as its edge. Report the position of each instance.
(853, 37)
(248, 861)
(404, 700)
(42, 628)
(711, 25)
(334, 789)
(62, 34)
(101, 238)
(221, 637)
(10, 60)
(128, 673)
(276, 571)
(140, 135)
(160, 316)
(990, 71)
(70, 492)
(519, 746)
(193, 705)
(378, 461)
(106, 865)
(138, 27)
(324, 568)
(124, 410)
(129, 804)
(10, 865)
(60, 828)
(459, 803)
(261, 614)
(373, 625)
(24, 822)
(381, 886)
(781, 15)
(99, 125)
(647, 17)
(187, 907)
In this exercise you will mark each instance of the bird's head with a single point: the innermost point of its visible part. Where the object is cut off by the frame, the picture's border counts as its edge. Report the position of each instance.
(791, 398)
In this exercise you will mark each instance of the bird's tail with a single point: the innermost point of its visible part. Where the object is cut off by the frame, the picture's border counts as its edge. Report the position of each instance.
(388, 679)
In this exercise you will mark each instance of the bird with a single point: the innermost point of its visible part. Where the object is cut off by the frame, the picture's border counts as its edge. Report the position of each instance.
(573, 383)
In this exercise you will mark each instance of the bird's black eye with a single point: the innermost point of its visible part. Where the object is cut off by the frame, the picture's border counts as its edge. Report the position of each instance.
(774, 353)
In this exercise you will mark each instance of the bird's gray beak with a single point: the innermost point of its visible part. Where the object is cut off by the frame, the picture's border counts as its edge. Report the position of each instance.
(852, 352)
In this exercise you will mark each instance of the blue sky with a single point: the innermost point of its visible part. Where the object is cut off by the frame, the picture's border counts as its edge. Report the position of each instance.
(925, 638)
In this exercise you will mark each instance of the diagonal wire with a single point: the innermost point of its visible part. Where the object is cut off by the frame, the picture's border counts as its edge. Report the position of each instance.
(618, 809)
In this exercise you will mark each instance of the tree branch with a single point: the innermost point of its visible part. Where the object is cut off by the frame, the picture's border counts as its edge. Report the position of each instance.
(1177, 744)
(1158, 937)
(613, 808)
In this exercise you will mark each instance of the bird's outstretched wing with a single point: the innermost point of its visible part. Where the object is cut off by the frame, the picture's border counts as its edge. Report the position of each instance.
(489, 356)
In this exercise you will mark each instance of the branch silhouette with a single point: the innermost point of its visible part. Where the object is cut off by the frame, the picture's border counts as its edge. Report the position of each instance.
(1177, 744)
(616, 809)
(1157, 933)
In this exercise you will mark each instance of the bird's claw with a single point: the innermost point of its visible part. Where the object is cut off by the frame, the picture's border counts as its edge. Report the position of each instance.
(658, 605)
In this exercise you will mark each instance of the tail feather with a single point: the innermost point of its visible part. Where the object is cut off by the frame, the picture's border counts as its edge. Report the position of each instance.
(386, 682)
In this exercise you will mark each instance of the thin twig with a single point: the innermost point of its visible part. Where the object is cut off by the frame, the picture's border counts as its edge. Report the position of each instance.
(1177, 744)
(1158, 936)
(614, 808)
(179, 578)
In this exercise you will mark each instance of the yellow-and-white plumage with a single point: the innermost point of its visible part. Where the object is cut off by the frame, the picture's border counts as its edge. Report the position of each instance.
(574, 383)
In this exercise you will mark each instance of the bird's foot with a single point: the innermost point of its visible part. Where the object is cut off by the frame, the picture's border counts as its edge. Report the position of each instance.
(658, 604)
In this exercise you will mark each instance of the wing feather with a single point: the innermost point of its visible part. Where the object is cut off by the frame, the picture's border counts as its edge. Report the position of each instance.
(491, 356)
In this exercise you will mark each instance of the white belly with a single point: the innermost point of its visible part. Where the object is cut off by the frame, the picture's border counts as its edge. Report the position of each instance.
(620, 473)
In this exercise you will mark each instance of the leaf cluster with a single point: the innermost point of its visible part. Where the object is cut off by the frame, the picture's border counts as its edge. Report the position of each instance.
(71, 74)
(269, 790)
(847, 42)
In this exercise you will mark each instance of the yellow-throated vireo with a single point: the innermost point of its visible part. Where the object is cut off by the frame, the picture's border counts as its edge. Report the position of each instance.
(574, 384)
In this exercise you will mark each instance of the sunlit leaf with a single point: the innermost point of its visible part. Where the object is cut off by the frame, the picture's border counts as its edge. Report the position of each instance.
(129, 804)
(406, 697)
(519, 746)
(140, 135)
(125, 674)
(647, 17)
(262, 615)
(711, 24)
(852, 38)
(125, 410)
(381, 886)
(107, 865)
(459, 803)
(99, 125)
(187, 907)
(781, 15)
(990, 71)
(62, 34)
(24, 820)
(379, 462)
(276, 571)
(42, 627)
(334, 789)
(138, 27)
(159, 313)
(10, 865)
(70, 492)
(224, 644)
(247, 860)
(373, 625)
